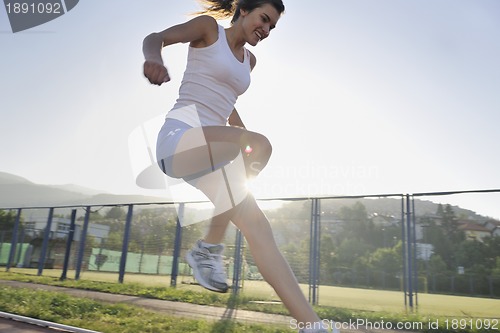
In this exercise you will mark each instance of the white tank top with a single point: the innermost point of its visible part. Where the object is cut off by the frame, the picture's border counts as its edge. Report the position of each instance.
(212, 82)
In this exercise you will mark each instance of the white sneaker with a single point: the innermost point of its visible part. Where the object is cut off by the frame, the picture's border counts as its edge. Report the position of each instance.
(207, 266)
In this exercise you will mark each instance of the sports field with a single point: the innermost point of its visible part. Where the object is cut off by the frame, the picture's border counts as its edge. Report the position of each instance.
(391, 301)
(348, 298)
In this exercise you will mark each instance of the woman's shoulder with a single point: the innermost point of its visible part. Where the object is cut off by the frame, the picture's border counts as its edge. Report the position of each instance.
(206, 22)
(210, 28)
(205, 19)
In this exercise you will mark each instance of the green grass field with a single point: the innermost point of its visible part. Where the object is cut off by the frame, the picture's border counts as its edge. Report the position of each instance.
(347, 298)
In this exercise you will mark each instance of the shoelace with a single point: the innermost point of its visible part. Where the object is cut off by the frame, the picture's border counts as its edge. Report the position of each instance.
(214, 260)
(218, 267)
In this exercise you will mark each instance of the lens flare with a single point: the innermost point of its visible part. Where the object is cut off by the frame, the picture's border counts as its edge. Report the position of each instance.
(248, 149)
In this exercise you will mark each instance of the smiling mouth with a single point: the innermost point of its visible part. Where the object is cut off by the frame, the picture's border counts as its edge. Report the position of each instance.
(258, 35)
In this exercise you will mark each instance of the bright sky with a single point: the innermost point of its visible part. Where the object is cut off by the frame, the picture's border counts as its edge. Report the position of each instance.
(357, 96)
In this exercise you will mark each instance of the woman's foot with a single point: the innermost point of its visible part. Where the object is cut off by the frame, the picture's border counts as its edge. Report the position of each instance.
(208, 269)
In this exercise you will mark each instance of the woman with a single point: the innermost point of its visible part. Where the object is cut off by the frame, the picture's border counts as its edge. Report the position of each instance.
(196, 144)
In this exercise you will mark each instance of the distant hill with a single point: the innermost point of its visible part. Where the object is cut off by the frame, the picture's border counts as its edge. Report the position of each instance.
(7, 178)
(383, 206)
(16, 191)
(392, 207)
(77, 189)
(121, 199)
(23, 195)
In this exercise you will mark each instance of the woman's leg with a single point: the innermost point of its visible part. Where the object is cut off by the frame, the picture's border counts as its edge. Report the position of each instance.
(223, 144)
(207, 148)
(212, 148)
(254, 225)
(200, 148)
(217, 229)
(249, 218)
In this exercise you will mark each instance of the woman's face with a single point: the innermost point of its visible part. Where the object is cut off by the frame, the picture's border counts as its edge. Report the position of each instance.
(259, 22)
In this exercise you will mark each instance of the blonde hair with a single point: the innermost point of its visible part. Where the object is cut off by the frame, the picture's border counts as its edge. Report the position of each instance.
(223, 9)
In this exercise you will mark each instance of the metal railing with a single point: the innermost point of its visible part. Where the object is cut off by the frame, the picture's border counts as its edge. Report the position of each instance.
(81, 258)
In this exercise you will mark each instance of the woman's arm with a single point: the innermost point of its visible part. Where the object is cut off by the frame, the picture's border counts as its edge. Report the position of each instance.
(200, 31)
(235, 120)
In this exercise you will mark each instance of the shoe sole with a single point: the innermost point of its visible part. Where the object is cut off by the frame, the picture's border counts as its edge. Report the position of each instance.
(192, 263)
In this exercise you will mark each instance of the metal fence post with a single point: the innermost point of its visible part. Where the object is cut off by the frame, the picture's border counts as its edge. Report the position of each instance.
(414, 242)
(314, 249)
(69, 241)
(177, 246)
(83, 240)
(2, 233)
(403, 247)
(237, 262)
(14, 240)
(409, 251)
(45, 244)
(126, 239)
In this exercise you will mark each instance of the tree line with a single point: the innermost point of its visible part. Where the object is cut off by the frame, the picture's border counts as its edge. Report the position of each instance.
(356, 251)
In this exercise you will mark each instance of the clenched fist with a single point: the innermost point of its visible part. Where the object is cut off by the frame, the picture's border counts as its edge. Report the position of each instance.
(156, 73)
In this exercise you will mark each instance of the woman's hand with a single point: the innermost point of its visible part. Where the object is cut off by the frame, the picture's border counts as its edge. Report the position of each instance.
(155, 72)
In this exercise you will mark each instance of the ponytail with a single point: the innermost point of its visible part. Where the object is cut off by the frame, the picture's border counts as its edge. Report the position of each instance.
(219, 9)
(223, 9)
